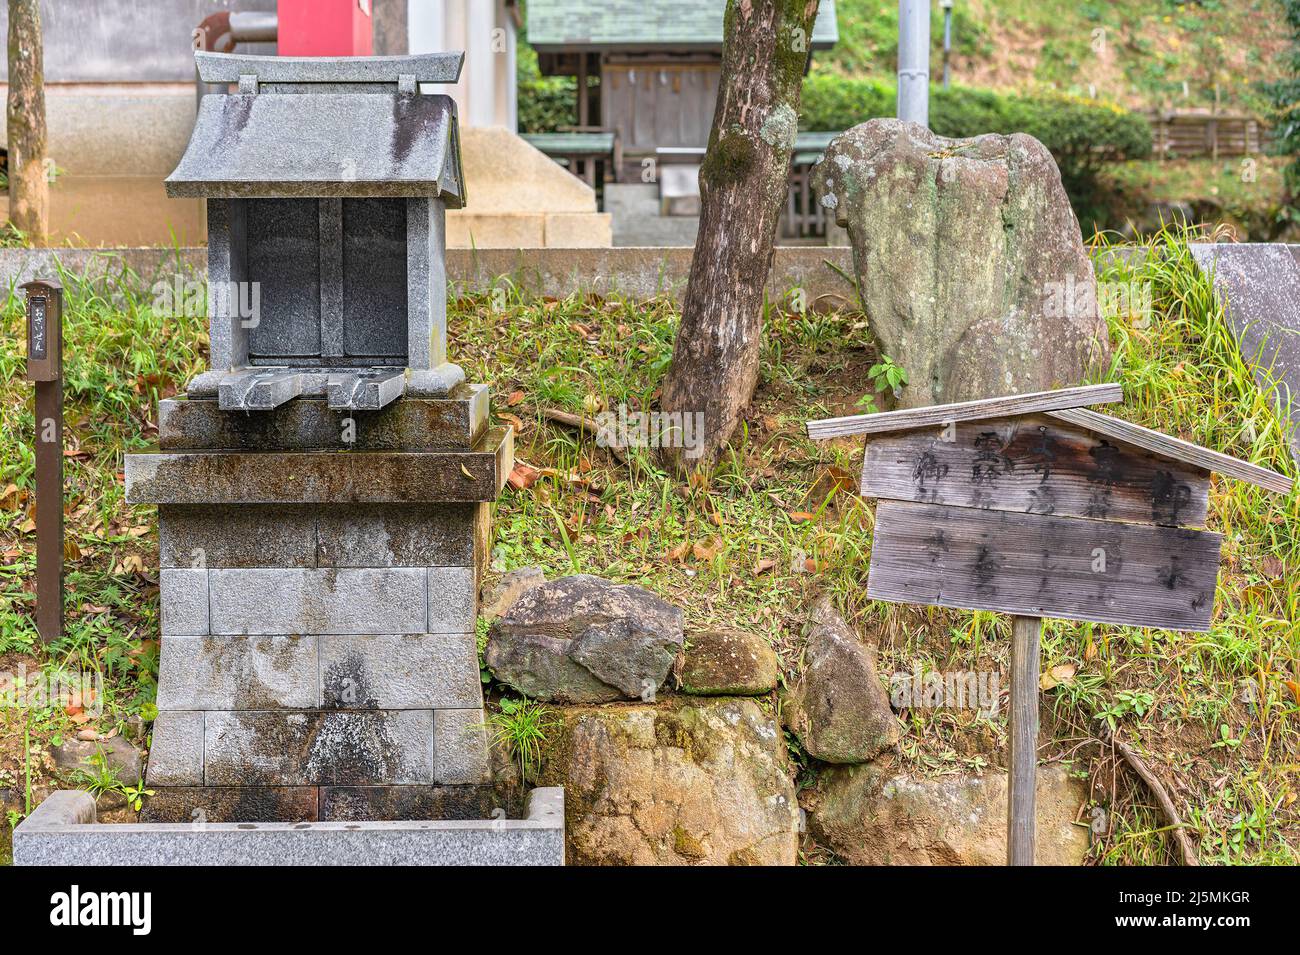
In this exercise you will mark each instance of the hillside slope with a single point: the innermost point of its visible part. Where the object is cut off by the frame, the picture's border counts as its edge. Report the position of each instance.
(1136, 52)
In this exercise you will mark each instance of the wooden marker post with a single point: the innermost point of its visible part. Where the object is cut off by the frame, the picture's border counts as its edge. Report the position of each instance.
(1034, 506)
(45, 368)
(1022, 774)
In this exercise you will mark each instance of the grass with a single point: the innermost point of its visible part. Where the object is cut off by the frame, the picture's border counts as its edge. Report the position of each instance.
(748, 544)
(1136, 52)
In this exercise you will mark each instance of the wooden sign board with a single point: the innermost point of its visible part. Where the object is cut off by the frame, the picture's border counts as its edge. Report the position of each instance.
(1031, 505)
(44, 328)
(1140, 575)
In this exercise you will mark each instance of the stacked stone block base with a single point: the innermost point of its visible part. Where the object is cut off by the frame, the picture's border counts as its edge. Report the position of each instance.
(318, 658)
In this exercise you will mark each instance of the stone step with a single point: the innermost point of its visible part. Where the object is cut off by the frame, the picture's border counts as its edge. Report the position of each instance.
(378, 600)
(316, 535)
(330, 671)
(297, 748)
(217, 804)
(411, 424)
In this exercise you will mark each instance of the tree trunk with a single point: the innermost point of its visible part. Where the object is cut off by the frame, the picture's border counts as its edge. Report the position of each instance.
(743, 183)
(29, 191)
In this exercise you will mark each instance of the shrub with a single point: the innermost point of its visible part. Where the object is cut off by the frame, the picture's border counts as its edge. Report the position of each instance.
(1081, 134)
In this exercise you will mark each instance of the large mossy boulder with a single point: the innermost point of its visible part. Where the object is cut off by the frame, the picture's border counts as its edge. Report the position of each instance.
(969, 260)
(875, 815)
(583, 639)
(686, 782)
(838, 706)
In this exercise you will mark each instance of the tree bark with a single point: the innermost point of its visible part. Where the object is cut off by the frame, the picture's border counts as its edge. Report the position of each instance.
(743, 183)
(29, 190)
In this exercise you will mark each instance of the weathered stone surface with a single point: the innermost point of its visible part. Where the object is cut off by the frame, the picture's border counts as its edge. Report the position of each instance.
(396, 535)
(501, 595)
(969, 260)
(838, 707)
(400, 671)
(359, 600)
(872, 815)
(201, 805)
(239, 148)
(253, 535)
(452, 600)
(698, 782)
(183, 601)
(306, 477)
(321, 535)
(1259, 283)
(120, 756)
(238, 673)
(582, 639)
(728, 663)
(62, 829)
(279, 748)
(460, 747)
(357, 803)
(309, 424)
(176, 750)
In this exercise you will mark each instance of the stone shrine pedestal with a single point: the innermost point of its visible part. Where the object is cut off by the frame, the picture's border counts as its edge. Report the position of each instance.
(319, 597)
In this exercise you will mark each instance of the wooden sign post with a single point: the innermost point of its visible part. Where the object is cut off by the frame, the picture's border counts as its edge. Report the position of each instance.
(45, 368)
(1033, 506)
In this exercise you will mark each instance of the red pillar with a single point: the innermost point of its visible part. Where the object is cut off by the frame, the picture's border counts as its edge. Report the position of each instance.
(325, 28)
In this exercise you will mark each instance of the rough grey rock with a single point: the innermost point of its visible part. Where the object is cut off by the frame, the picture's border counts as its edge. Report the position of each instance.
(686, 782)
(501, 595)
(969, 260)
(582, 639)
(728, 663)
(838, 707)
(120, 756)
(872, 815)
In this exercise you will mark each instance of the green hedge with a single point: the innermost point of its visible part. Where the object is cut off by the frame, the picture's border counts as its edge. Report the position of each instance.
(1080, 133)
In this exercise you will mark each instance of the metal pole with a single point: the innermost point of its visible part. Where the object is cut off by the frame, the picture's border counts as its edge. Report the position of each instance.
(947, 38)
(914, 61)
(1023, 732)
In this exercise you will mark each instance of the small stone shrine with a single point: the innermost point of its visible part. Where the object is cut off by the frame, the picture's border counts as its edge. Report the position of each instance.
(323, 491)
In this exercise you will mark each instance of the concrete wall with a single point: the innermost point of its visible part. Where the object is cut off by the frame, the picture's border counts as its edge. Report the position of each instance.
(637, 273)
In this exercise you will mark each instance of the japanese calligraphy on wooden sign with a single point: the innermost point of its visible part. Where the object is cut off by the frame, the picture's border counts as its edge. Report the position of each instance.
(1033, 506)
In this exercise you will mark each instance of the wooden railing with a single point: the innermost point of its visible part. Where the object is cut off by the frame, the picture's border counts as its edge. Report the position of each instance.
(1177, 134)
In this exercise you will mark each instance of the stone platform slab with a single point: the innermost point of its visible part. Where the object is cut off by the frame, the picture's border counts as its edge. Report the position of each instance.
(315, 477)
(411, 424)
(62, 830)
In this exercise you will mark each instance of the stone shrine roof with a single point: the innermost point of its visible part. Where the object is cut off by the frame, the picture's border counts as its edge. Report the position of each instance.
(359, 136)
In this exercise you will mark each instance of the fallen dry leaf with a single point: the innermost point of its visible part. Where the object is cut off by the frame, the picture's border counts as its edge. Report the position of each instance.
(523, 477)
(800, 517)
(678, 553)
(1057, 676)
(514, 399)
(707, 550)
(764, 565)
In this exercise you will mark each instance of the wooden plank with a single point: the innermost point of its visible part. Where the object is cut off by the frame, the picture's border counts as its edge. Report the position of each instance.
(1134, 574)
(1034, 464)
(1022, 733)
(1176, 448)
(909, 418)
